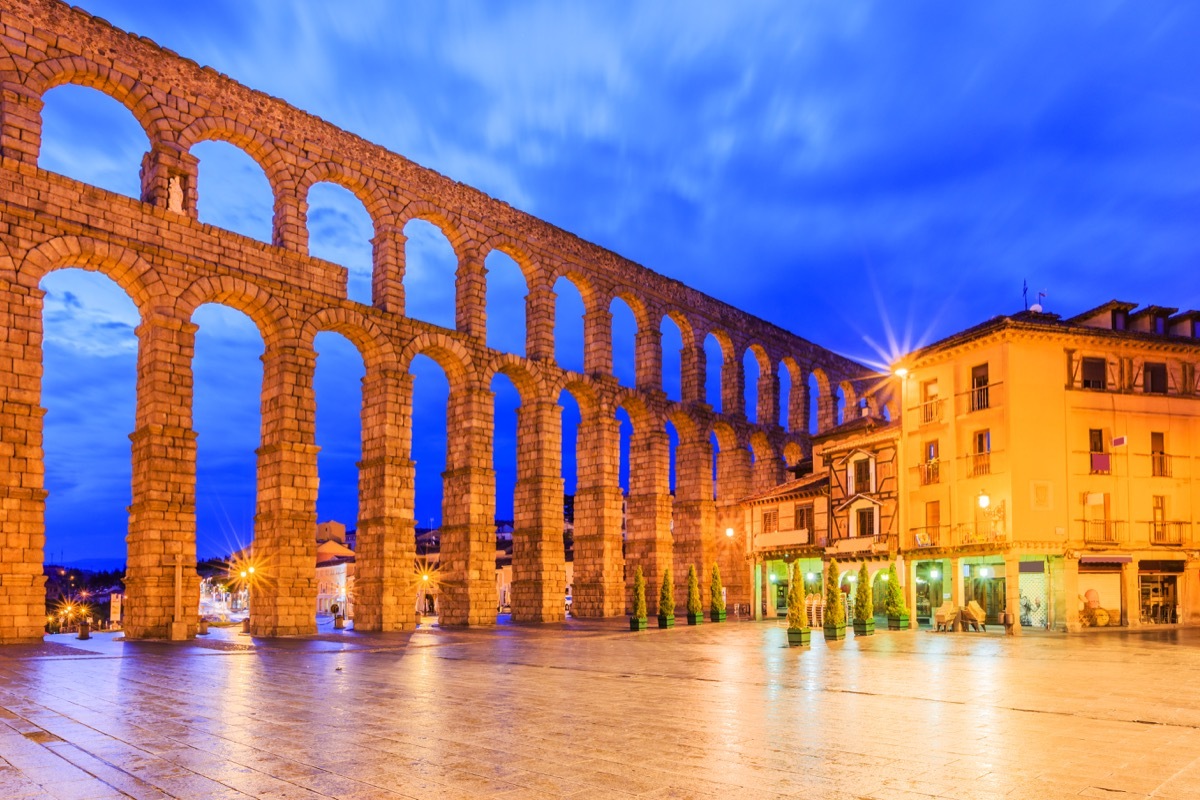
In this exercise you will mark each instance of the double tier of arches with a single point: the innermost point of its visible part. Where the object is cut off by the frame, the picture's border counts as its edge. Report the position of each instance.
(170, 263)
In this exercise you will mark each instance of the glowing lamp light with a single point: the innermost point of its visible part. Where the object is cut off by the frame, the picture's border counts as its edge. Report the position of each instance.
(772, 579)
(812, 576)
(983, 572)
(984, 500)
(900, 372)
(933, 573)
(729, 532)
(251, 570)
(885, 577)
(424, 577)
(243, 573)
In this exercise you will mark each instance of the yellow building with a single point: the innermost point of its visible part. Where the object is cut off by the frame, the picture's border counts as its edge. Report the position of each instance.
(1049, 468)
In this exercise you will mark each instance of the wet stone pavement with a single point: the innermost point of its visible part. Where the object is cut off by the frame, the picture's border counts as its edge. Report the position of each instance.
(587, 709)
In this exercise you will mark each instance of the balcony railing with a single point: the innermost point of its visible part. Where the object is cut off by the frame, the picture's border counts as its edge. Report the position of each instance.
(980, 398)
(931, 411)
(1160, 465)
(1101, 463)
(929, 536)
(1167, 533)
(979, 533)
(930, 472)
(1103, 531)
(979, 464)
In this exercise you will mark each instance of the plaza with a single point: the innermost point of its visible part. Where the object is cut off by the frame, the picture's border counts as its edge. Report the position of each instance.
(587, 709)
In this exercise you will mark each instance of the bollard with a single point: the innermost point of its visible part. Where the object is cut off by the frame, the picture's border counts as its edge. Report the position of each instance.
(339, 622)
(246, 625)
(202, 628)
(85, 630)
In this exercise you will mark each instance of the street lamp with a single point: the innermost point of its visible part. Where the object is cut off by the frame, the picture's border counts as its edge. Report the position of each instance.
(984, 500)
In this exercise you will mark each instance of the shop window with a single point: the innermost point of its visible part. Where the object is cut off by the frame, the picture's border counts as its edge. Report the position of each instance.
(1095, 373)
(1154, 378)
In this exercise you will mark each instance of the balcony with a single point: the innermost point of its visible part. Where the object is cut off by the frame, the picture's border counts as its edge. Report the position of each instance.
(1160, 465)
(979, 464)
(1168, 533)
(983, 532)
(931, 411)
(1103, 531)
(1101, 463)
(929, 472)
(929, 536)
(980, 398)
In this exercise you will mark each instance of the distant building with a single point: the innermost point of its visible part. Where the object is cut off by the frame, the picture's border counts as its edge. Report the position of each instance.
(335, 570)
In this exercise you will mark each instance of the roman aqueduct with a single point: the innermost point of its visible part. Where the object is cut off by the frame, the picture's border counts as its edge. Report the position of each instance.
(169, 264)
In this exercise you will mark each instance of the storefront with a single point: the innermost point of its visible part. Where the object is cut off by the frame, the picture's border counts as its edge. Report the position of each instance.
(1102, 601)
(985, 584)
(1159, 585)
(1034, 595)
(930, 590)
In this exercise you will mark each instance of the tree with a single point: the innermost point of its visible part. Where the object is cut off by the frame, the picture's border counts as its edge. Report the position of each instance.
(716, 596)
(835, 609)
(639, 595)
(864, 603)
(797, 617)
(694, 609)
(666, 597)
(894, 598)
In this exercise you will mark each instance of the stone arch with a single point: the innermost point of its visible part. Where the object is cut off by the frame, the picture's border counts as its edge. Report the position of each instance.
(372, 343)
(822, 411)
(761, 447)
(8, 265)
(727, 438)
(688, 428)
(125, 267)
(269, 316)
(517, 251)
(641, 416)
(793, 454)
(369, 193)
(523, 374)
(449, 353)
(129, 92)
(449, 224)
(686, 329)
(585, 395)
(765, 365)
(636, 305)
(582, 283)
(850, 395)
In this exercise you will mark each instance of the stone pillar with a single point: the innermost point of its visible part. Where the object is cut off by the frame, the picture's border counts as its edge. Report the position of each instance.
(283, 594)
(169, 179)
(597, 342)
(826, 412)
(162, 517)
(289, 228)
(22, 496)
(910, 593)
(1131, 600)
(539, 571)
(692, 371)
(694, 514)
(648, 515)
(1012, 589)
(733, 387)
(648, 359)
(385, 596)
(957, 582)
(768, 398)
(770, 610)
(387, 271)
(798, 407)
(20, 135)
(468, 556)
(470, 284)
(599, 584)
(539, 324)
(733, 484)
(1070, 594)
(767, 470)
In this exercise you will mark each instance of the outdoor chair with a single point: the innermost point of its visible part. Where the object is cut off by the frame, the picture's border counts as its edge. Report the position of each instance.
(945, 617)
(974, 616)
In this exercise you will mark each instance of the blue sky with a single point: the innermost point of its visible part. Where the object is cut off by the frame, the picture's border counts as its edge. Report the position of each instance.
(856, 172)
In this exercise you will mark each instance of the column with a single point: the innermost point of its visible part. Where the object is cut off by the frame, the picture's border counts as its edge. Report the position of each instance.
(1012, 589)
(468, 556)
(768, 397)
(383, 584)
(826, 411)
(909, 574)
(1131, 606)
(733, 484)
(733, 386)
(22, 496)
(387, 271)
(648, 359)
(756, 581)
(599, 583)
(692, 368)
(957, 586)
(798, 407)
(169, 179)
(1070, 594)
(470, 286)
(283, 595)
(20, 133)
(162, 517)
(597, 342)
(289, 228)
(694, 514)
(539, 577)
(648, 515)
(539, 324)
(770, 610)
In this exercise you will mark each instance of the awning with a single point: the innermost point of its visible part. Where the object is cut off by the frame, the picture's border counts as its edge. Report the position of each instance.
(1106, 559)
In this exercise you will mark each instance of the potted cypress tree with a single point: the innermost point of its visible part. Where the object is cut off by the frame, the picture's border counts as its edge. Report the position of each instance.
(666, 602)
(835, 609)
(695, 611)
(637, 620)
(897, 609)
(864, 604)
(716, 597)
(798, 631)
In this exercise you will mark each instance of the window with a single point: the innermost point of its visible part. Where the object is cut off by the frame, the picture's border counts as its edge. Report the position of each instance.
(1160, 462)
(1101, 462)
(1160, 325)
(1154, 379)
(981, 458)
(866, 521)
(1118, 320)
(770, 521)
(979, 387)
(930, 467)
(1095, 373)
(1095, 440)
(933, 515)
(862, 475)
(804, 517)
(931, 406)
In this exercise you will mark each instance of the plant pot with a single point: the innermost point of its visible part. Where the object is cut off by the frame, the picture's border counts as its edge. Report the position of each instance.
(864, 628)
(797, 638)
(637, 624)
(695, 619)
(717, 616)
(834, 632)
(898, 623)
(666, 622)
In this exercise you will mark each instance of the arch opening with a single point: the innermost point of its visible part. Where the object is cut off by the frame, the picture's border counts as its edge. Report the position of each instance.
(751, 371)
(624, 342)
(506, 294)
(91, 137)
(232, 191)
(340, 230)
(430, 268)
(568, 325)
(714, 360)
(785, 396)
(672, 359)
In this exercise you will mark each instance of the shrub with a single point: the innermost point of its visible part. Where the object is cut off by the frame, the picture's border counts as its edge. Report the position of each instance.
(894, 602)
(693, 602)
(639, 594)
(864, 604)
(666, 598)
(835, 609)
(797, 618)
(716, 596)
